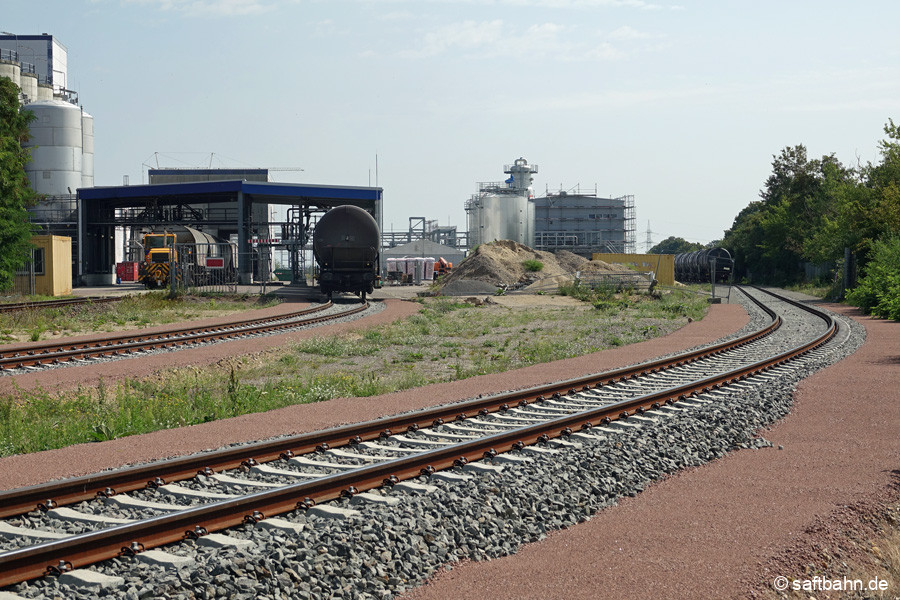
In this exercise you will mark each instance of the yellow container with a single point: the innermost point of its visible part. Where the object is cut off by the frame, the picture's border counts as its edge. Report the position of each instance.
(663, 265)
(52, 265)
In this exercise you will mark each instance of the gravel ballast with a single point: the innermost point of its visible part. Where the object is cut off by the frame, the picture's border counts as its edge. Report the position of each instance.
(382, 552)
(728, 528)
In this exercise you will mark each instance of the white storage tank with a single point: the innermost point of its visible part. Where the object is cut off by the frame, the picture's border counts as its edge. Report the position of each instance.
(56, 148)
(502, 217)
(11, 70)
(87, 141)
(44, 92)
(29, 84)
(504, 210)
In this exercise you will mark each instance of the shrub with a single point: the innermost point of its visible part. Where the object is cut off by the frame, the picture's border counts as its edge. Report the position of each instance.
(532, 265)
(878, 292)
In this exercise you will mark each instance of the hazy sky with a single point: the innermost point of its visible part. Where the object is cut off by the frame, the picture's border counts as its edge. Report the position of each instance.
(681, 104)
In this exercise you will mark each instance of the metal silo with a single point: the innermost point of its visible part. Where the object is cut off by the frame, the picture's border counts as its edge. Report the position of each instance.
(87, 139)
(56, 146)
(504, 210)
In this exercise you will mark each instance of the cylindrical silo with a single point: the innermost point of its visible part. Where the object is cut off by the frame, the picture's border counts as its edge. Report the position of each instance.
(44, 91)
(11, 69)
(87, 143)
(56, 147)
(29, 84)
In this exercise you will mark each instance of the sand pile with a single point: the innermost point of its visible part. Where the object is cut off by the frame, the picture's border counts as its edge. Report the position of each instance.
(500, 264)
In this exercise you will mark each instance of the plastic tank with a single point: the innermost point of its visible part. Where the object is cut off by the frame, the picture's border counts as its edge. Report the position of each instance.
(56, 162)
(87, 141)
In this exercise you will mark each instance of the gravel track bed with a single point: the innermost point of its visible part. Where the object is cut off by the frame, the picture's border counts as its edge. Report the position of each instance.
(383, 552)
(374, 308)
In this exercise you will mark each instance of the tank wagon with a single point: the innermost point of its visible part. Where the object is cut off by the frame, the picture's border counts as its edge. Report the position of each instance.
(346, 244)
(694, 267)
(194, 251)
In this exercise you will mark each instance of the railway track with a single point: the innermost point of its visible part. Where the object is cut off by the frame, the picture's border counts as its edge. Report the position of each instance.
(192, 497)
(19, 306)
(58, 352)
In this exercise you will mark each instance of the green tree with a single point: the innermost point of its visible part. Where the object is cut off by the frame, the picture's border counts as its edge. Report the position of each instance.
(674, 245)
(769, 238)
(878, 292)
(15, 192)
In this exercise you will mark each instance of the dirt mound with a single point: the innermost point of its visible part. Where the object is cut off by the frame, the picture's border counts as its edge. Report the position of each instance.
(501, 264)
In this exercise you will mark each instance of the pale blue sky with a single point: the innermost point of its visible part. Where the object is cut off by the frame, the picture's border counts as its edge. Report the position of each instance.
(681, 104)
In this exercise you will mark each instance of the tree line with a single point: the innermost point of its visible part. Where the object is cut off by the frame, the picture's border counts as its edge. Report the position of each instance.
(817, 212)
(15, 192)
(812, 211)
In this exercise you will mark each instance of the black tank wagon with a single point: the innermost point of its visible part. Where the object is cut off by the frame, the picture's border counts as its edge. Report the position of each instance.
(694, 267)
(346, 244)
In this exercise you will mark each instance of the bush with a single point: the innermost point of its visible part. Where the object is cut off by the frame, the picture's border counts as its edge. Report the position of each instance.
(532, 265)
(878, 292)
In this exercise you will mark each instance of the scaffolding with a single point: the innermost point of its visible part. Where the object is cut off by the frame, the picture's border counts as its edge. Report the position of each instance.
(582, 223)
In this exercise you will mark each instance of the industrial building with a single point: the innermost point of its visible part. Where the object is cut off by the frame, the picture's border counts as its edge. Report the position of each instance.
(232, 209)
(62, 134)
(504, 210)
(583, 223)
(425, 248)
(106, 223)
(574, 220)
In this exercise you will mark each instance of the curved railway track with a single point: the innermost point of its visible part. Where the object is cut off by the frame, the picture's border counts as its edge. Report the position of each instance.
(60, 351)
(345, 461)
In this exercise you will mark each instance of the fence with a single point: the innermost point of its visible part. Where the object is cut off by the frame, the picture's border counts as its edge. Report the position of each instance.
(24, 279)
(205, 268)
(613, 281)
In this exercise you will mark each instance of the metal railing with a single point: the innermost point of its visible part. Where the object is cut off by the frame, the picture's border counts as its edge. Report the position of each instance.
(217, 268)
(24, 278)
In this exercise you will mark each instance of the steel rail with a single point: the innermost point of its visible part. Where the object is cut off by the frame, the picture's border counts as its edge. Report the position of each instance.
(22, 500)
(54, 353)
(17, 306)
(11, 349)
(70, 491)
(53, 557)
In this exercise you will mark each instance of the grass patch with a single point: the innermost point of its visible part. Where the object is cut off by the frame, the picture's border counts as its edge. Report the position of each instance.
(444, 341)
(139, 310)
(533, 265)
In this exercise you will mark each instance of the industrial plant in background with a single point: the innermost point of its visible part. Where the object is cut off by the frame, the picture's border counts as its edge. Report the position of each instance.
(574, 220)
(62, 133)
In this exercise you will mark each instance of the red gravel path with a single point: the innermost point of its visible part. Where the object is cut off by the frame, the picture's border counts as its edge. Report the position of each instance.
(17, 471)
(722, 530)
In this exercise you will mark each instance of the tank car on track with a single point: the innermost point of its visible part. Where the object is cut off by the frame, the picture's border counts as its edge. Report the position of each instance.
(191, 250)
(346, 244)
(694, 267)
